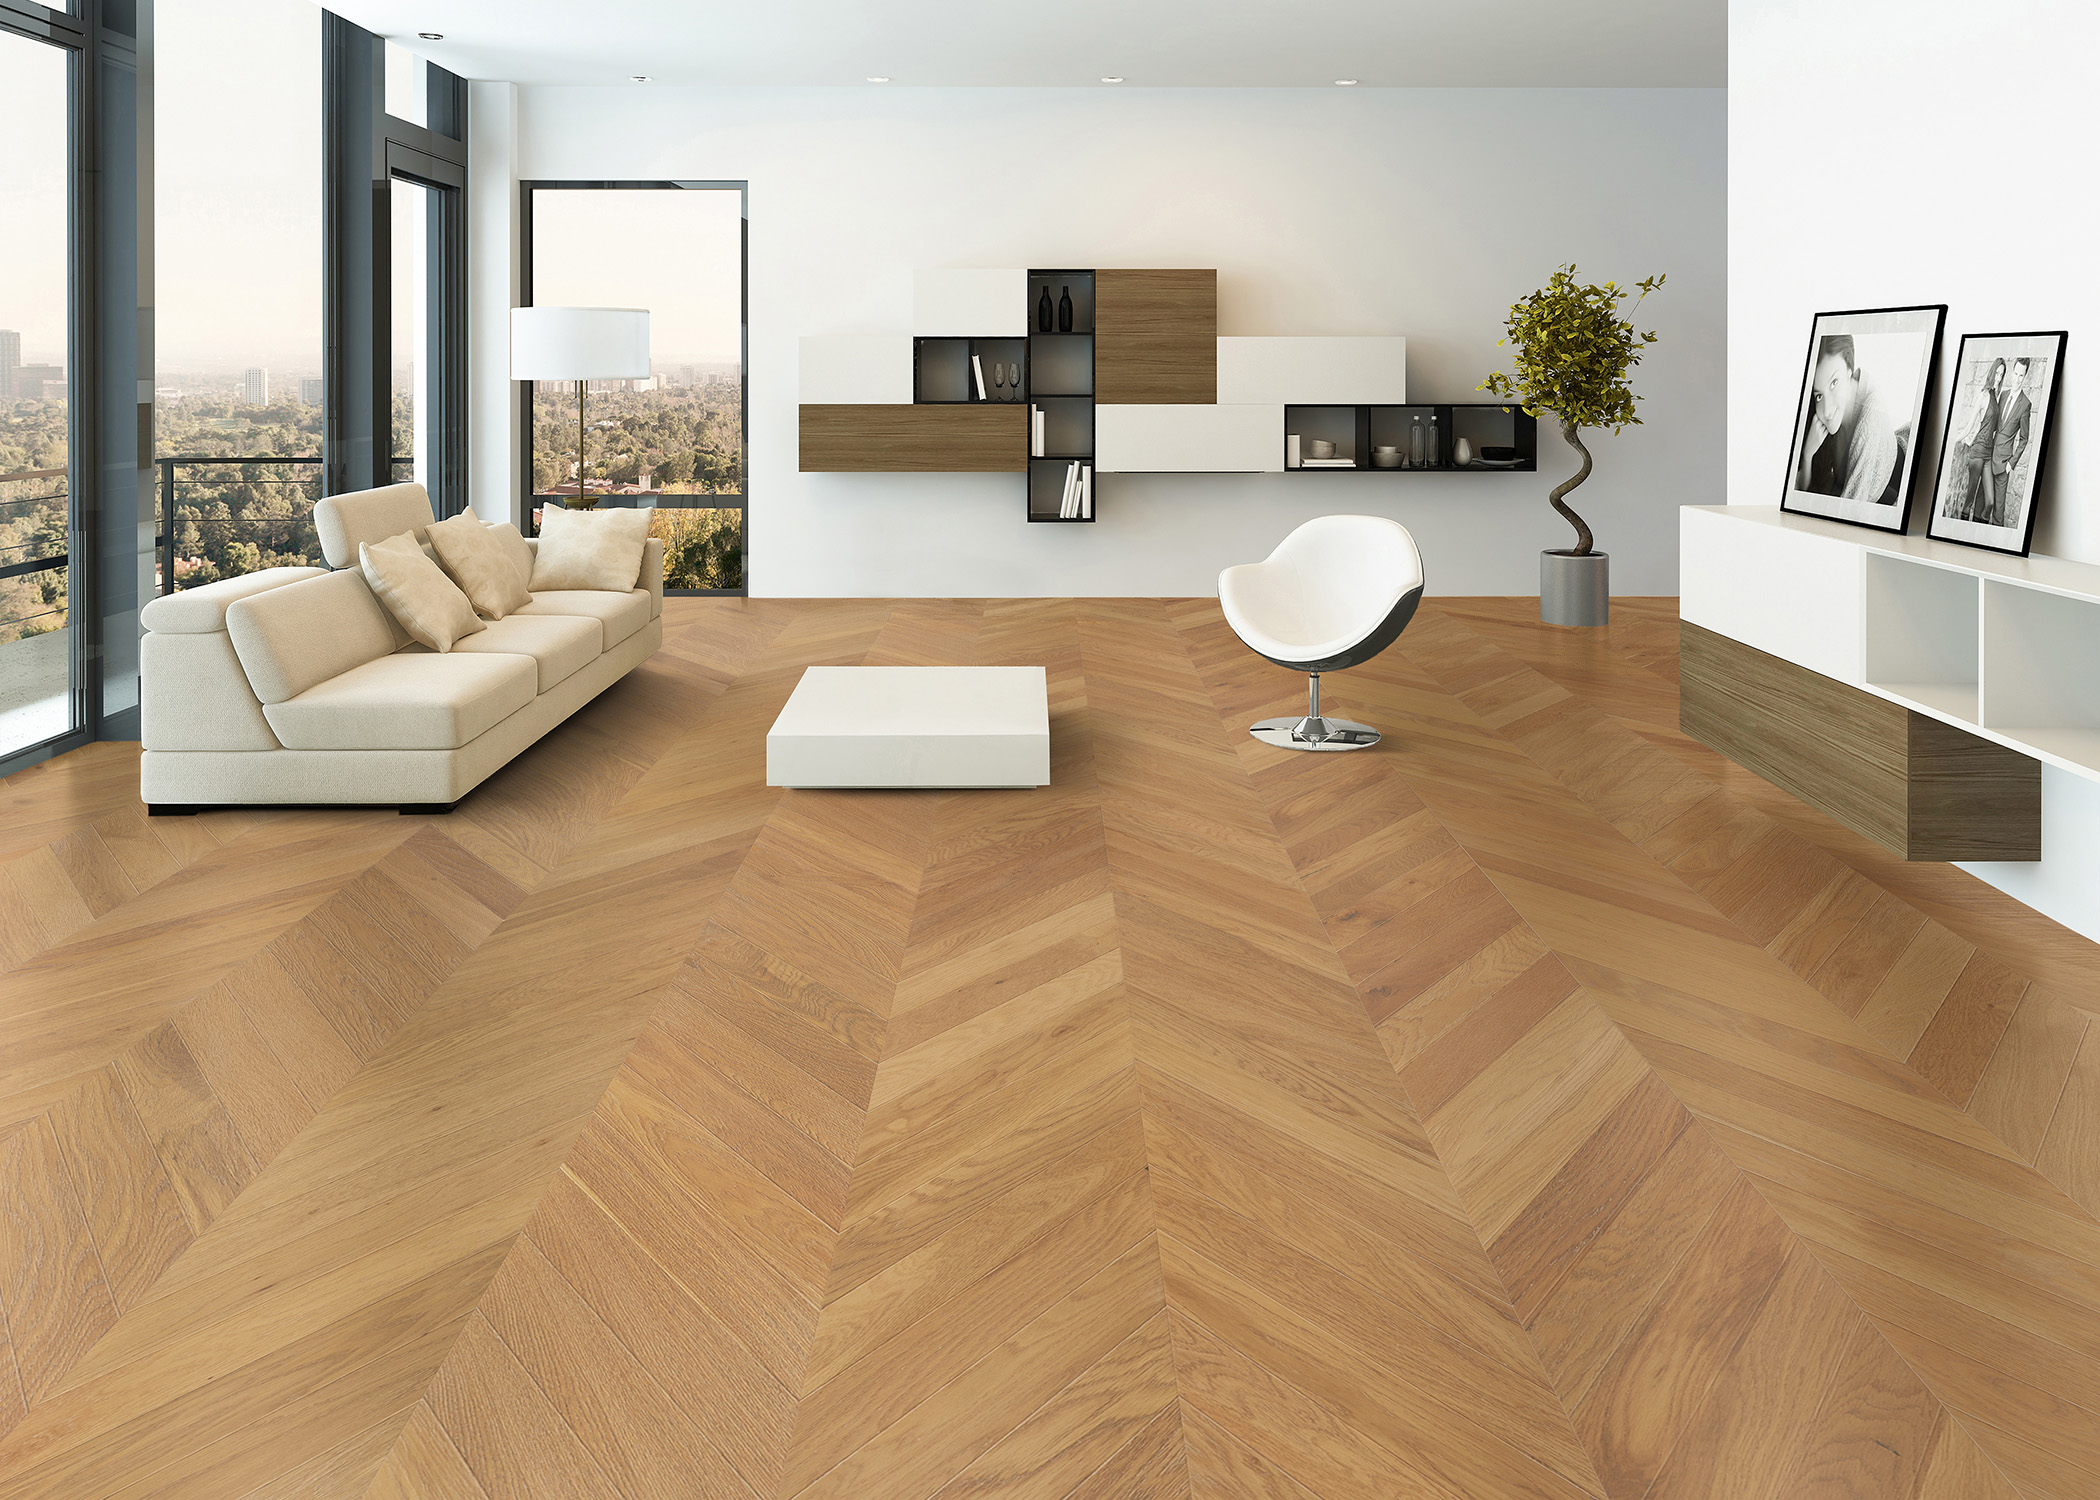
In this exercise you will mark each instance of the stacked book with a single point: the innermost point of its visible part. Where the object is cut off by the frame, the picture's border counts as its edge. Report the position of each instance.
(1326, 463)
(1078, 501)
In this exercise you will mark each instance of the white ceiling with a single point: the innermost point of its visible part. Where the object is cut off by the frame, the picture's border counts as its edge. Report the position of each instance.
(1002, 43)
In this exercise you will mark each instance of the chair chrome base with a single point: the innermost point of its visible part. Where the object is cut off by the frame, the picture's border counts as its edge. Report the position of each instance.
(1315, 734)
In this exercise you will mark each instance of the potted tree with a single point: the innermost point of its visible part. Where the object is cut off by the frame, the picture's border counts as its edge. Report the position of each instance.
(1575, 358)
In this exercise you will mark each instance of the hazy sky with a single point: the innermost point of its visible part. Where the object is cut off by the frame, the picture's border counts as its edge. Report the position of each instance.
(238, 180)
(33, 198)
(679, 254)
(238, 213)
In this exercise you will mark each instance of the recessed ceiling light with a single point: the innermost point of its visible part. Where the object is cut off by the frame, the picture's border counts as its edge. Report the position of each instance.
(1345, 83)
(878, 78)
(431, 36)
(1107, 79)
(639, 78)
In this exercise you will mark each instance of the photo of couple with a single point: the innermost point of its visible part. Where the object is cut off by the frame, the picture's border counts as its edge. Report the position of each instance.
(1997, 424)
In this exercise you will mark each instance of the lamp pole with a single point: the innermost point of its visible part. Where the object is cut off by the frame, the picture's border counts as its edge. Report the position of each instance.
(582, 500)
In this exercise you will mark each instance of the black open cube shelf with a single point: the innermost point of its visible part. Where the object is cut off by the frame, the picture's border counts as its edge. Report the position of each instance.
(1357, 432)
(941, 374)
(1046, 488)
(1061, 385)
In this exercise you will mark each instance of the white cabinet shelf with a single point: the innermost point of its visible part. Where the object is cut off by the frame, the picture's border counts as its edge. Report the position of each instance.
(2007, 648)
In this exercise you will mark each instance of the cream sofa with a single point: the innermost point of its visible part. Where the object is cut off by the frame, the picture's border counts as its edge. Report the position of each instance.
(295, 685)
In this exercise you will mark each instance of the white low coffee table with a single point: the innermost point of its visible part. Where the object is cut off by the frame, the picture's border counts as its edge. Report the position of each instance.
(913, 727)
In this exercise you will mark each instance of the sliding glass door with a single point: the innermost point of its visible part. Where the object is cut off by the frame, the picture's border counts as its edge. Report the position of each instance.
(39, 410)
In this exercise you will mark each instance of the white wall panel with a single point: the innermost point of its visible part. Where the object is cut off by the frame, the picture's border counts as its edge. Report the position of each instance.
(1359, 371)
(1239, 439)
(1788, 593)
(969, 304)
(852, 368)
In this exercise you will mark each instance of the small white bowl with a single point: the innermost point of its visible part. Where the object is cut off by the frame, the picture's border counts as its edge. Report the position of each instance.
(1319, 448)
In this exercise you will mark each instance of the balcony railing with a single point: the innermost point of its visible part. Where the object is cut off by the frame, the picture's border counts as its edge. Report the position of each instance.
(224, 516)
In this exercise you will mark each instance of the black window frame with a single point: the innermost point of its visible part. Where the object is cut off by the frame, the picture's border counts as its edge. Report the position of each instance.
(524, 496)
(367, 149)
(110, 552)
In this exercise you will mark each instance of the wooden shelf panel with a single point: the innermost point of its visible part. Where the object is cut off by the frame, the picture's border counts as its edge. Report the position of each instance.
(1156, 337)
(981, 438)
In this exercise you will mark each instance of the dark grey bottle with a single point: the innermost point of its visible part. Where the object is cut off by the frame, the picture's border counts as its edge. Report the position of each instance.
(1064, 310)
(1042, 312)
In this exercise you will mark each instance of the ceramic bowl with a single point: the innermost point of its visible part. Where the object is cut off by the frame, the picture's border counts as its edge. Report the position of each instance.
(1385, 458)
(1319, 448)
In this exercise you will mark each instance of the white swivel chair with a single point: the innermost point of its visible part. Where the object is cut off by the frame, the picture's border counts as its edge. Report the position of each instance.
(1334, 593)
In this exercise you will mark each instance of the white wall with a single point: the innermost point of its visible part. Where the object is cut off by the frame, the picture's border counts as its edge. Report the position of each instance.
(1421, 212)
(1889, 152)
(1884, 153)
(492, 289)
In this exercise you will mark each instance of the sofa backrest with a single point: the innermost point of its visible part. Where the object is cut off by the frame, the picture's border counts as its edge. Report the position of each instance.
(202, 610)
(290, 638)
(343, 521)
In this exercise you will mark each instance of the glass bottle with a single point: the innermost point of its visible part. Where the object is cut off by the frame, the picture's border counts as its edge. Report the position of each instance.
(1064, 310)
(1042, 312)
(1436, 447)
(1414, 444)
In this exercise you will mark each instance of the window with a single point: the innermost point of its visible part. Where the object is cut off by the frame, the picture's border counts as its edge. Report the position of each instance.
(238, 347)
(674, 441)
(38, 408)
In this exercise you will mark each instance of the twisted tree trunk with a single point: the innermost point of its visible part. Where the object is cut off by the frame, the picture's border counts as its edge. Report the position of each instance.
(1584, 542)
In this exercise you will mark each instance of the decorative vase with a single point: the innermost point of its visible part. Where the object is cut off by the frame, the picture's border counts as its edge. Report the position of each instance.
(1574, 590)
(1064, 310)
(1462, 453)
(1043, 313)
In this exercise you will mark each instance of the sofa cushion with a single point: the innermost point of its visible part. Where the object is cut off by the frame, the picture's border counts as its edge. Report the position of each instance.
(560, 644)
(477, 560)
(416, 592)
(618, 615)
(290, 638)
(590, 549)
(414, 700)
(365, 516)
(202, 610)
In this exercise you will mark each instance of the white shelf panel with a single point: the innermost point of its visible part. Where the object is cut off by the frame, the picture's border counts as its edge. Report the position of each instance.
(1245, 439)
(2075, 750)
(1953, 701)
(969, 304)
(1796, 597)
(854, 369)
(1312, 371)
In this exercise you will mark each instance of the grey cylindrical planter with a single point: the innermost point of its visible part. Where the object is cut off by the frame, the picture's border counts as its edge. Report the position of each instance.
(1574, 590)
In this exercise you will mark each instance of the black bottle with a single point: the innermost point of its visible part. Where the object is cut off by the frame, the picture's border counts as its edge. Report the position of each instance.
(1042, 312)
(1064, 310)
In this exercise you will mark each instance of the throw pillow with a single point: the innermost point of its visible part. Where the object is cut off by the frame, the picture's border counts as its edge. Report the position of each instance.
(517, 549)
(480, 564)
(416, 592)
(590, 549)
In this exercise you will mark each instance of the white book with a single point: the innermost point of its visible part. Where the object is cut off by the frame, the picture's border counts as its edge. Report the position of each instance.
(1069, 505)
(1035, 432)
(1327, 463)
(977, 369)
(1086, 493)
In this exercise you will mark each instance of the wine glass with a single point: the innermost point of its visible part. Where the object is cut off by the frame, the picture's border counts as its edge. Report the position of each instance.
(998, 379)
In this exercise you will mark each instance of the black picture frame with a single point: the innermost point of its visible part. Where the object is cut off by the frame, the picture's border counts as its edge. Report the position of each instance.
(1824, 477)
(1975, 501)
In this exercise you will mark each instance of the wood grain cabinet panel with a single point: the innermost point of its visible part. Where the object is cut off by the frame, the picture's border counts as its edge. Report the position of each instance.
(1156, 337)
(874, 439)
(1921, 788)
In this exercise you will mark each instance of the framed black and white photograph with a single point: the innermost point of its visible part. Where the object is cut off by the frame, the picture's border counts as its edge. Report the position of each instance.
(1855, 451)
(1997, 439)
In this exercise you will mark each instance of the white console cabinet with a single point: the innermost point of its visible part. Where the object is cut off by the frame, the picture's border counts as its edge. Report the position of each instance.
(2007, 648)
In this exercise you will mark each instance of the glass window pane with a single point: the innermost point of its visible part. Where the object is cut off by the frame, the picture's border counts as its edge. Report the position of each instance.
(36, 399)
(415, 209)
(407, 86)
(238, 267)
(674, 440)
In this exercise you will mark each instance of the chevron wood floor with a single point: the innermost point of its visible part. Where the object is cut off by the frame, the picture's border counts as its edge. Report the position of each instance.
(1537, 1106)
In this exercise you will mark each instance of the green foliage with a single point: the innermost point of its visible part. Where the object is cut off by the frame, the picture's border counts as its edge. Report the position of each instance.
(703, 549)
(1575, 352)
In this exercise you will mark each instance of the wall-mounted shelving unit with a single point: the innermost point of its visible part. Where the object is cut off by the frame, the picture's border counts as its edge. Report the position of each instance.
(1357, 432)
(943, 373)
(1061, 387)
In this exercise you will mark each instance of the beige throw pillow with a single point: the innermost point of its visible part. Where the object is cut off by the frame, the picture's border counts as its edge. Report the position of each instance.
(590, 549)
(478, 562)
(416, 592)
(517, 549)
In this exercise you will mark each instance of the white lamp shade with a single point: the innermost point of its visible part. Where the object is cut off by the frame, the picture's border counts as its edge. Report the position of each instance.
(579, 343)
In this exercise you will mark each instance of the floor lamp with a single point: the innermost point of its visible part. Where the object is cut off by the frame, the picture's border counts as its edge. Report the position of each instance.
(580, 344)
